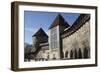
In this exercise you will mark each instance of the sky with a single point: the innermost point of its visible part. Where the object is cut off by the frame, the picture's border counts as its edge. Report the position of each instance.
(33, 20)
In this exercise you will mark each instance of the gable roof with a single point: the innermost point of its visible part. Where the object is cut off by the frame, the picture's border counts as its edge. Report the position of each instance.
(59, 20)
(40, 32)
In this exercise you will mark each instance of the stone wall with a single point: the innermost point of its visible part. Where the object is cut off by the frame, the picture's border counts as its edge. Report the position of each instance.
(77, 45)
(43, 55)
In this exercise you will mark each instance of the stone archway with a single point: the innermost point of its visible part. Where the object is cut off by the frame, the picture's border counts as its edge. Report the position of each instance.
(85, 53)
(66, 54)
(79, 54)
(71, 54)
(54, 57)
(75, 54)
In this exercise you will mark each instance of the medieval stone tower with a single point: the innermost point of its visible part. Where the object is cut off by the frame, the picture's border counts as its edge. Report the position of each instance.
(40, 37)
(64, 41)
(55, 30)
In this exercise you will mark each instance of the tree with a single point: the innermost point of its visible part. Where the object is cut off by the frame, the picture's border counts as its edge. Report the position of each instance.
(27, 51)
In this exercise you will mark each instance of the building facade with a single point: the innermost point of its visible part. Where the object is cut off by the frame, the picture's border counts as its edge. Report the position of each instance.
(64, 41)
(76, 40)
(55, 31)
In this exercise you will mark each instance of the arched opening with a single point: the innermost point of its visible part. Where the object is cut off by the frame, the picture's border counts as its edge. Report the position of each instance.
(79, 54)
(66, 54)
(62, 55)
(71, 54)
(54, 57)
(85, 53)
(75, 54)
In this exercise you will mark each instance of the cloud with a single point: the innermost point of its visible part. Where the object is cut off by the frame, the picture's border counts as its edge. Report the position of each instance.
(32, 30)
(29, 29)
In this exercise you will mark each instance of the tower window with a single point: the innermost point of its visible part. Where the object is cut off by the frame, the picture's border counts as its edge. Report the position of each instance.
(53, 38)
